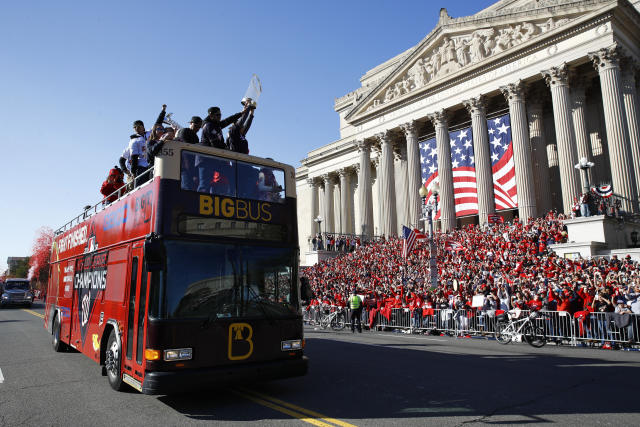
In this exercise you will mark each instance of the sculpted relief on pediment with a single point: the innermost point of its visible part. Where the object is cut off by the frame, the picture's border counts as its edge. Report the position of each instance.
(454, 52)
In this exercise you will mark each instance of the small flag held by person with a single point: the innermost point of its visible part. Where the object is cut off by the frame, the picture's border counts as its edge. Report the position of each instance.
(452, 245)
(410, 236)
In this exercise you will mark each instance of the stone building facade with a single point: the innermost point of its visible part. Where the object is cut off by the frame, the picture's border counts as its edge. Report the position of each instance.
(565, 71)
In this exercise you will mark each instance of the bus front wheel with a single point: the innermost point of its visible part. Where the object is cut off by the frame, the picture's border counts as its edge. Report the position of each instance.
(58, 346)
(113, 362)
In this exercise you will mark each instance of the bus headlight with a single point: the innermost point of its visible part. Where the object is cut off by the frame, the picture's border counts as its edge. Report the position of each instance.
(291, 345)
(178, 354)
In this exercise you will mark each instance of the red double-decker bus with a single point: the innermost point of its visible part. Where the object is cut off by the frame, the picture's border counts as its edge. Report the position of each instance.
(188, 280)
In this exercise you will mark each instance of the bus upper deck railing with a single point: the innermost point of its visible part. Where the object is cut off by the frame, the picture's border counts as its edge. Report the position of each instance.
(89, 211)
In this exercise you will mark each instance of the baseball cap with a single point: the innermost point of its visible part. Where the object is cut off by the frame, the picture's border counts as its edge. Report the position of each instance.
(196, 120)
(213, 109)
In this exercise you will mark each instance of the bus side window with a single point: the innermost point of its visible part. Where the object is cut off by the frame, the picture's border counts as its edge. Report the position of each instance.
(116, 275)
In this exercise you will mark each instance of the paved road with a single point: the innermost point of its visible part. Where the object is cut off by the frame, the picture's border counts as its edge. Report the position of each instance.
(362, 379)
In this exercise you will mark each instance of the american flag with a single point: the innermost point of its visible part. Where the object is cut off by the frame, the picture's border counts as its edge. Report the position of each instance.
(429, 165)
(464, 172)
(410, 236)
(502, 165)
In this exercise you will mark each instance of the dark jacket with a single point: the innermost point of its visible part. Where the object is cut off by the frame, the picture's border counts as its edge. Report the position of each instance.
(187, 135)
(237, 141)
(212, 131)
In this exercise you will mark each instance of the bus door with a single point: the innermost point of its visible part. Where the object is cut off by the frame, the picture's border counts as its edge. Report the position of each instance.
(69, 304)
(133, 360)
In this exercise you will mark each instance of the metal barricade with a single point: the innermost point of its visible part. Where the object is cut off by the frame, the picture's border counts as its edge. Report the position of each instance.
(559, 326)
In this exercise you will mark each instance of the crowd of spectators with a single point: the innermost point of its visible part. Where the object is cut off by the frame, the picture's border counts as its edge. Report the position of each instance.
(509, 264)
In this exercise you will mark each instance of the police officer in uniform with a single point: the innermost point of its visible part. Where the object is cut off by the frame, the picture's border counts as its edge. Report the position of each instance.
(355, 304)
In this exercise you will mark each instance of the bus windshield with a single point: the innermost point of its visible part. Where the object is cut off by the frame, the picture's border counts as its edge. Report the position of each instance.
(212, 280)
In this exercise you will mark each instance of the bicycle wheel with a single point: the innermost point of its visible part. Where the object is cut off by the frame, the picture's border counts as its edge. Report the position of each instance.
(324, 322)
(534, 335)
(503, 333)
(338, 323)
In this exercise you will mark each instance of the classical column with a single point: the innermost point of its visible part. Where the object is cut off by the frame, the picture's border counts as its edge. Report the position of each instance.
(402, 188)
(608, 66)
(445, 174)
(314, 204)
(597, 137)
(514, 93)
(364, 184)
(541, 176)
(344, 201)
(552, 158)
(329, 224)
(354, 204)
(376, 182)
(630, 95)
(482, 158)
(578, 113)
(387, 193)
(414, 181)
(556, 79)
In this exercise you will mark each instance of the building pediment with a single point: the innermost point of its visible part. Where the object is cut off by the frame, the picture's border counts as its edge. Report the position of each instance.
(460, 44)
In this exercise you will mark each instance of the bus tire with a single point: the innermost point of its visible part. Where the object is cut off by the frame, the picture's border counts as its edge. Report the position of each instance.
(58, 346)
(113, 362)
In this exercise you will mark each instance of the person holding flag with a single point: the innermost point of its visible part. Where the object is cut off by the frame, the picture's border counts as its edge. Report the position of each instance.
(409, 239)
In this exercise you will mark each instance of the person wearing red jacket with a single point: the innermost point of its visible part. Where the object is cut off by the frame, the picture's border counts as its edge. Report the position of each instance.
(113, 183)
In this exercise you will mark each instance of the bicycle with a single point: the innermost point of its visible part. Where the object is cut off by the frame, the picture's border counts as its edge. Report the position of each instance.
(336, 319)
(507, 330)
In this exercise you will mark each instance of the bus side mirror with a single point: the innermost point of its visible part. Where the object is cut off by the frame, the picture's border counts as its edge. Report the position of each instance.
(305, 289)
(154, 254)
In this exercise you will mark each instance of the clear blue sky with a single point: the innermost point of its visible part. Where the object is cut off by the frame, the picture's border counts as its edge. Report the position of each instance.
(75, 76)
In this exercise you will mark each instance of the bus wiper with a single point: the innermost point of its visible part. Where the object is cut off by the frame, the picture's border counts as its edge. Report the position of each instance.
(209, 320)
(260, 303)
(214, 316)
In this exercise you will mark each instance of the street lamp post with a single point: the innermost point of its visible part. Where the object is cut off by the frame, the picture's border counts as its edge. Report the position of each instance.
(584, 165)
(428, 210)
(318, 220)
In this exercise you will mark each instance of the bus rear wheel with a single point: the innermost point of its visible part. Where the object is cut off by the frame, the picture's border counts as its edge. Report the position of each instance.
(113, 361)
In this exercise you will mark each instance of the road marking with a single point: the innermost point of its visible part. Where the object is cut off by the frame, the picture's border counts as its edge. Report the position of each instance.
(1, 377)
(34, 313)
(297, 408)
(273, 406)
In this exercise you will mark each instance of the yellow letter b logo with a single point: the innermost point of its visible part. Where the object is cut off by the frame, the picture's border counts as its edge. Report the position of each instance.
(240, 344)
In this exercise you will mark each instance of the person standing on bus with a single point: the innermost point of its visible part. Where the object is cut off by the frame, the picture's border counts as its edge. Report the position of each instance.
(155, 143)
(114, 182)
(133, 161)
(236, 140)
(355, 304)
(212, 127)
(190, 134)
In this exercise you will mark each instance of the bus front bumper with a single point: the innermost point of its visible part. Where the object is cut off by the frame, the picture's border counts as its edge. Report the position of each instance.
(197, 379)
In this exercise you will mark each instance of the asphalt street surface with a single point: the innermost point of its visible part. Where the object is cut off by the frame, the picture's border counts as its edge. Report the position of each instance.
(372, 378)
